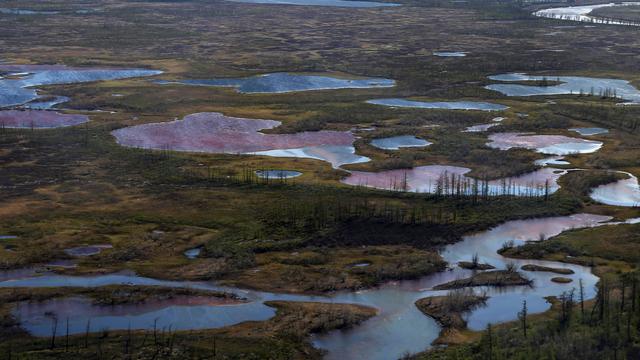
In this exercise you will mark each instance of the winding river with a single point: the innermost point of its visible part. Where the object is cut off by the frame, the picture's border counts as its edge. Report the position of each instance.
(397, 329)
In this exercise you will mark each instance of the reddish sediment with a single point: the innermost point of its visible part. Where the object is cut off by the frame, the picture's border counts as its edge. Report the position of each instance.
(39, 119)
(217, 133)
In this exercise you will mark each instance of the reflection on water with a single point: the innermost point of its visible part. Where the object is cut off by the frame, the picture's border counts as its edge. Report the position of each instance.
(450, 53)
(624, 192)
(17, 89)
(447, 105)
(480, 128)
(287, 82)
(399, 327)
(444, 179)
(337, 155)
(590, 131)
(220, 134)
(277, 174)
(568, 85)
(545, 144)
(397, 142)
(193, 253)
(554, 160)
(46, 104)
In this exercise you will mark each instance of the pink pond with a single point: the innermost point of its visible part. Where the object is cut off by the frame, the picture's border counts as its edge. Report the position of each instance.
(432, 179)
(39, 119)
(546, 144)
(217, 133)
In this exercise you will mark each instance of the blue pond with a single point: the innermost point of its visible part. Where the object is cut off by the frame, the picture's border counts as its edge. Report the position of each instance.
(46, 104)
(19, 88)
(590, 131)
(450, 53)
(397, 142)
(288, 82)
(193, 253)
(448, 105)
(277, 174)
(569, 85)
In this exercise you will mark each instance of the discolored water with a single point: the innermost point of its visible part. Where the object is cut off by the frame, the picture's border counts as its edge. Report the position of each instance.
(436, 178)
(545, 144)
(217, 133)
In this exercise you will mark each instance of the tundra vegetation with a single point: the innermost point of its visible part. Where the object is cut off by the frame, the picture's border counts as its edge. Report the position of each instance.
(75, 186)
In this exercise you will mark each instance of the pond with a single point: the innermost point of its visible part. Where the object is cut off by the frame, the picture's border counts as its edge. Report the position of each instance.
(89, 250)
(398, 328)
(397, 142)
(19, 89)
(336, 3)
(447, 105)
(581, 13)
(288, 82)
(567, 85)
(18, 11)
(589, 131)
(545, 144)
(193, 253)
(39, 119)
(336, 155)
(437, 178)
(46, 104)
(15, 11)
(217, 133)
(624, 192)
(450, 53)
(480, 128)
(554, 160)
(277, 174)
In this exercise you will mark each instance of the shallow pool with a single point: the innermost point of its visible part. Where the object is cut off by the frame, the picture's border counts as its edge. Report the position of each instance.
(289, 82)
(217, 133)
(546, 144)
(624, 192)
(575, 85)
(397, 142)
(447, 105)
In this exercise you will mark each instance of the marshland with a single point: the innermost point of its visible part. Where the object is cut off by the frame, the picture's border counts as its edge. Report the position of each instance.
(319, 179)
